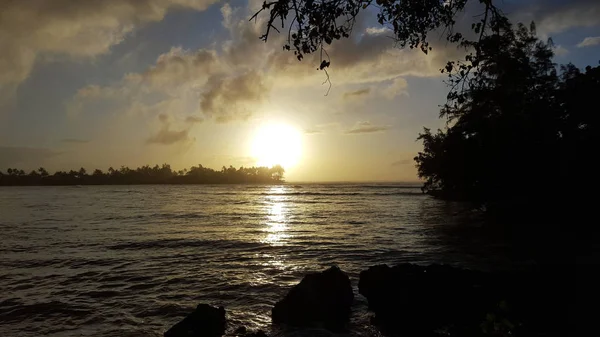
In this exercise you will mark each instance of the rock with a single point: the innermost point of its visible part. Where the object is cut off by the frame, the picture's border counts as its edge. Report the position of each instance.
(420, 300)
(240, 330)
(320, 299)
(424, 301)
(205, 321)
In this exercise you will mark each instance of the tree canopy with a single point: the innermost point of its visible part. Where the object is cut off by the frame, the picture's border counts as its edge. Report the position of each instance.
(145, 175)
(519, 129)
(313, 24)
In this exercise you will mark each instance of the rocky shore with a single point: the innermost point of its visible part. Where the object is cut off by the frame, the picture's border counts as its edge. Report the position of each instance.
(412, 300)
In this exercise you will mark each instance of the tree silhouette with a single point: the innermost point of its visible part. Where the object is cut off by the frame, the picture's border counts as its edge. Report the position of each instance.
(311, 25)
(516, 126)
(146, 175)
(43, 172)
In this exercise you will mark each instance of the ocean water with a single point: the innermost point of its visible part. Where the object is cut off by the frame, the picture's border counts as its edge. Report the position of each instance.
(134, 260)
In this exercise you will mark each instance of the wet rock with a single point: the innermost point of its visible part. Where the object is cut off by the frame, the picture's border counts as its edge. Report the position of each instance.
(422, 300)
(205, 321)
(240, 330)
(320, 299)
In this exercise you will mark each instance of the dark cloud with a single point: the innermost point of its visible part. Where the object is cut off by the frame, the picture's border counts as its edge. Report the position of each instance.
(557, 16)
(231, 79)
(24, 157)
(365, 58)
(357, 93)
(193, 119)
(74, 141)
(226, 91)
(402, 162)
(179, 66)
(163, 118)
(233, 98)
(366, 127)
(71, 28)
(166, 136)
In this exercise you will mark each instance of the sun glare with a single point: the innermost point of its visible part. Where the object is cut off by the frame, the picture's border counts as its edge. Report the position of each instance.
(277, 144)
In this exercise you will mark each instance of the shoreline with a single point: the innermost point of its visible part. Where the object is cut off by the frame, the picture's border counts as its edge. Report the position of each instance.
(408, 299)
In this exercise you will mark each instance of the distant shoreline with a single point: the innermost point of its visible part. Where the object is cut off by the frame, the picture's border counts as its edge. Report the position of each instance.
(145, 175)
(287, 183)
(149, 184)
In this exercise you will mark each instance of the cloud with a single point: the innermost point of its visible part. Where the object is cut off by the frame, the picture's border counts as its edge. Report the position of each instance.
(163, 118)
(179, 67)
(218, 84)
(589, 41)
(233, 98)
(193, 119)
(560, 50)
(321, 128)
(396, 88)
(557, 16)
(166, 136)
(70, 28)
(234, 160)
(362, 59)
(401, 162)
(25, 157)
(377, 30)
(233, 79)
(357, 93)
(366, 127)
(373, 58)
(74, 141)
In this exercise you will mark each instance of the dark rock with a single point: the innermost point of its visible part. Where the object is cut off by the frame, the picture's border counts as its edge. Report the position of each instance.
(424, 301)
(258, 333)
(421, 300)
(240, 330)
(320, 299)
(205, 321)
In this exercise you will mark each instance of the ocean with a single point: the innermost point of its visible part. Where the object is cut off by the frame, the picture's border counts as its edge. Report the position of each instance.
(134, 260)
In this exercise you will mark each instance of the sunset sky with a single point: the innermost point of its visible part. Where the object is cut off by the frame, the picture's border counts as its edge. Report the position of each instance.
(187, 82)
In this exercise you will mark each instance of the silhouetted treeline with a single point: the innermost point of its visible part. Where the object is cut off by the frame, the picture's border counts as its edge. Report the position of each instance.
(145, 175)
(520, 131)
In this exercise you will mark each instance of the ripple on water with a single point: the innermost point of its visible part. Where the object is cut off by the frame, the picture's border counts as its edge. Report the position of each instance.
(132, 260)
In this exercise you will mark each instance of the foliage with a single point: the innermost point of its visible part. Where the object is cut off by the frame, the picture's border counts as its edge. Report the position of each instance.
(515, 125)
(145, 175)
(313, 24)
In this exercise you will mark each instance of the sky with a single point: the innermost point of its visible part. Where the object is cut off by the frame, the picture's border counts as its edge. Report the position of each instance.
(132, 82)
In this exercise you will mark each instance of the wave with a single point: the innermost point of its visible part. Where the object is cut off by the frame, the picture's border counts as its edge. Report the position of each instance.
(354, 222)
(337, 193)
(187, 243)
(158, 215)
(387, 186)
(15, 311)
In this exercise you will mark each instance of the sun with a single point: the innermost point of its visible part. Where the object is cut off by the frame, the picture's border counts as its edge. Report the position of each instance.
(277, 144)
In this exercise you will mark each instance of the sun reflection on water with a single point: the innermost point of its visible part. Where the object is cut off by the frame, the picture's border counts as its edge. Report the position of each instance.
(276, 224)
